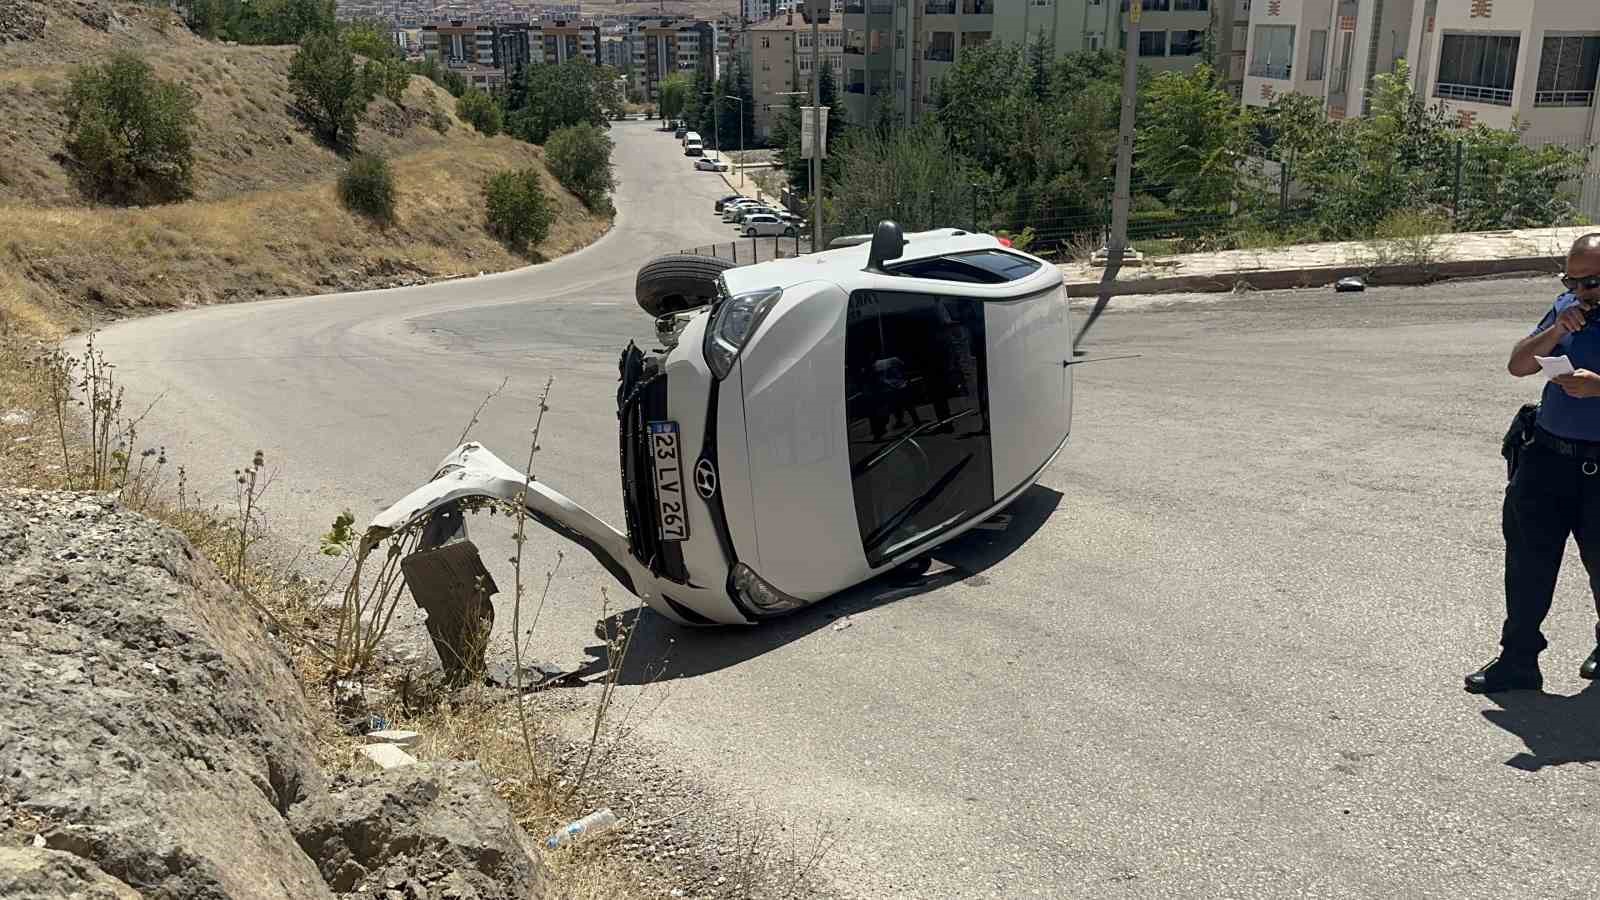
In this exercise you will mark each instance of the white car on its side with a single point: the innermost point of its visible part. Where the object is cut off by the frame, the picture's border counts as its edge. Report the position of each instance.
(810, 423)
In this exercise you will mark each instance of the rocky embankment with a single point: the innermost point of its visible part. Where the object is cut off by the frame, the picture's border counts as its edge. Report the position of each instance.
(154, 742)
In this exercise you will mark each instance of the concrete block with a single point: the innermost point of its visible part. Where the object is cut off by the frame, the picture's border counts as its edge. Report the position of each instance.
(392, 736)
(387, 756)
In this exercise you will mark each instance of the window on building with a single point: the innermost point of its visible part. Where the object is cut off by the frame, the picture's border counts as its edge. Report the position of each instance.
(766, 41)
(899, 40)
(1274, 52)
(1316, 56)
(941, 46)
(975, 38)
(1568, 67)
(1150, 5)
(1188, 43)
(1192, 5)
(1152, 43)
(1096, 40)
(1481, 68)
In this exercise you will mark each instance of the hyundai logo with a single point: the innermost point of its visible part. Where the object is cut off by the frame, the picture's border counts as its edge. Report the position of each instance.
(705, 478)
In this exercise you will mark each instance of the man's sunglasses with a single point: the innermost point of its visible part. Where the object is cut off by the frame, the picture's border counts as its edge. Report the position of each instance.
(1587, 282)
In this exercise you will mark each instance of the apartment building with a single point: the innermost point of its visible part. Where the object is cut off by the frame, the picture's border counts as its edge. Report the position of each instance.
(664, 46)
(779, 61)
(897, 50)
(1533, 62)
(469, 49)
(1173, 35)
(560, 40)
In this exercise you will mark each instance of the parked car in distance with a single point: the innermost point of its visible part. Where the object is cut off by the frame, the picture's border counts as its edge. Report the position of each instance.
(724, 201)
(745, 214)
(711, 162)
(730, 212)
(765, 225)
(679, 132)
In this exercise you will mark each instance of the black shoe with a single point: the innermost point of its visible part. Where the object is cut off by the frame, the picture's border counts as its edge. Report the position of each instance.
(1500, 675)
(1591, 666)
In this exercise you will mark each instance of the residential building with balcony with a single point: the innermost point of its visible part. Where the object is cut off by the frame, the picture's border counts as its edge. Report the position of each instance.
(779, 61)
(480, 53)
(561, 40)
(1173, 35)
(664, 46)
(1532, 62)
(895, 51)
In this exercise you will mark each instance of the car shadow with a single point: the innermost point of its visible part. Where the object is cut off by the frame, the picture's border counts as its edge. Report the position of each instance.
(1556, 729)
(662, 649)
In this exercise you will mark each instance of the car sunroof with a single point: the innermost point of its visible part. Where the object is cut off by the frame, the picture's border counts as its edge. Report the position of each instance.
(974, 267)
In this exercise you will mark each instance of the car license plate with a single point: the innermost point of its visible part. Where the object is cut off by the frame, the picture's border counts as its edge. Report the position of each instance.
(670, 509)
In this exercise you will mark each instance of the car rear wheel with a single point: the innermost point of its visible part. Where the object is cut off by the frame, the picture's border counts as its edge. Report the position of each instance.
(678, 282)
(789, 232)
(749, 232)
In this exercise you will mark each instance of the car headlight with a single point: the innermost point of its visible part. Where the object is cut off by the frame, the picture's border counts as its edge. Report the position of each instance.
(756, 592)
(735, 319)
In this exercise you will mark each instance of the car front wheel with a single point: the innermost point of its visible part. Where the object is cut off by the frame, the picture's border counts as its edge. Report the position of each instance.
(789, 232)
(749, 232)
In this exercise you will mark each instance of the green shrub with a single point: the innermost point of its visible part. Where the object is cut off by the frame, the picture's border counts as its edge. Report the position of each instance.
(518, 212)
(480, 111)
(1409, 237)
(367, 188)
(328, 88)
(131, 133)
(580, 158)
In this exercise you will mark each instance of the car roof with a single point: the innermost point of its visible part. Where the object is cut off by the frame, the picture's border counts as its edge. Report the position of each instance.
(846, 266)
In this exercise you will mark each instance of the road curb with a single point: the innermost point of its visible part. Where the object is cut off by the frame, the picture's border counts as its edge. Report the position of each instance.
(1320, 276)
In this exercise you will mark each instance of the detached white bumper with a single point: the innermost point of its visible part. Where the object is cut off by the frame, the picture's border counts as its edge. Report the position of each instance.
(472, 471)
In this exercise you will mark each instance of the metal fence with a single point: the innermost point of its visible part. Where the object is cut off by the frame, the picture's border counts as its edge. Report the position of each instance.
(751, 250)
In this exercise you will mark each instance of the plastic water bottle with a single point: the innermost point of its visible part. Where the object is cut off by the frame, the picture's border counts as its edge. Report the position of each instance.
(572, 831)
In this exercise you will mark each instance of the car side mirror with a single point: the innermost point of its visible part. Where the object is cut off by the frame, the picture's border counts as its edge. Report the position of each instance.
(888, 242)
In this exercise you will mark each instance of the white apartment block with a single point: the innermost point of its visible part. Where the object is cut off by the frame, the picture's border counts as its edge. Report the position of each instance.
(777, 56)
(1532, 62)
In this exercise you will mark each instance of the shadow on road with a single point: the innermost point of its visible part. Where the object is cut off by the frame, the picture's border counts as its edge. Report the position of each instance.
(663, 649)
(1556, 729)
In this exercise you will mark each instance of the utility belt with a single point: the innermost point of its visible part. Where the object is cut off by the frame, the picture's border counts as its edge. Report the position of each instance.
(1588, 451)
(1525, 432)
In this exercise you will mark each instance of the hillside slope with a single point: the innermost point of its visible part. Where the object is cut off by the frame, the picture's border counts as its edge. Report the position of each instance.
(264, 219)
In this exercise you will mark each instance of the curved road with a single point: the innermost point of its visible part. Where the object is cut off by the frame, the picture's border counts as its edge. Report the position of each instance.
(1225, 661)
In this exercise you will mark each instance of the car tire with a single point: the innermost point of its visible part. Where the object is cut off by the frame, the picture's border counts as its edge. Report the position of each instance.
(677, 282)
(749, 232)
(789, 232)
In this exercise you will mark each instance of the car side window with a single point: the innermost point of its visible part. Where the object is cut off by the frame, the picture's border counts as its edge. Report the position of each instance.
(917, 408)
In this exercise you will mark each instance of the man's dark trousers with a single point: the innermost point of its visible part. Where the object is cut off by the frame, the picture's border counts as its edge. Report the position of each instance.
(1550, 496)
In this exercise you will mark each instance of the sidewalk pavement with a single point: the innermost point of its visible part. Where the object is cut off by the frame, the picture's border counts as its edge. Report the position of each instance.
(1467, 255)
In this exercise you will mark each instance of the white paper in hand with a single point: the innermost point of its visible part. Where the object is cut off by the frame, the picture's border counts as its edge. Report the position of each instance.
(1554, 365)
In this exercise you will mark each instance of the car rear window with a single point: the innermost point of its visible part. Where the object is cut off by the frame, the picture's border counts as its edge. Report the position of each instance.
(975, 267)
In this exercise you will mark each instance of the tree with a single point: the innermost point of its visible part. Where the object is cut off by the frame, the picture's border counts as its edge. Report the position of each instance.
(556, 97)
(369, 38)
(580, 158)
(328, 88)
(1192, 138)
(516, 208)
(395, 81)
(480, 111)
(906, 176)
(674, 91)
(131, 132)
(263, 21)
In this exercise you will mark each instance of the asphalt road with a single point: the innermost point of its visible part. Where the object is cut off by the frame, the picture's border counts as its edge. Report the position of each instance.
(1218, 653)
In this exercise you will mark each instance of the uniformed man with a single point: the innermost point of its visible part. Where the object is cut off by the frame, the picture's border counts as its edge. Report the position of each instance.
(1555, 483)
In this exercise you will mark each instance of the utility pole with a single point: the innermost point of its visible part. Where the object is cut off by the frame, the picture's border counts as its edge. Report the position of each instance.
(817, 7)
(1117, 243)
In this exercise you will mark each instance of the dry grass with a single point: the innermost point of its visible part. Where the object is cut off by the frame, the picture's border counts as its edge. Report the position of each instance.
(264, 220)
(273, 243)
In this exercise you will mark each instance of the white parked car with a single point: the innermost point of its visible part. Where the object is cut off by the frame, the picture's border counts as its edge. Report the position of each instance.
(711, 163)
(811, 422)
(765, 225)
(732, 211)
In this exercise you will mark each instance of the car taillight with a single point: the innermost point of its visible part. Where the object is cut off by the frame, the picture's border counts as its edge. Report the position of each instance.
(1005, 242)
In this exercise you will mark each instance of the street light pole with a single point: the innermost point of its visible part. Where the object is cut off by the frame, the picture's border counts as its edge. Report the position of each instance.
(816, 126)
(717, 123)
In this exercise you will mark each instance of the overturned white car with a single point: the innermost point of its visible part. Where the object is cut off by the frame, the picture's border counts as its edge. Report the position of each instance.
(811, 422)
